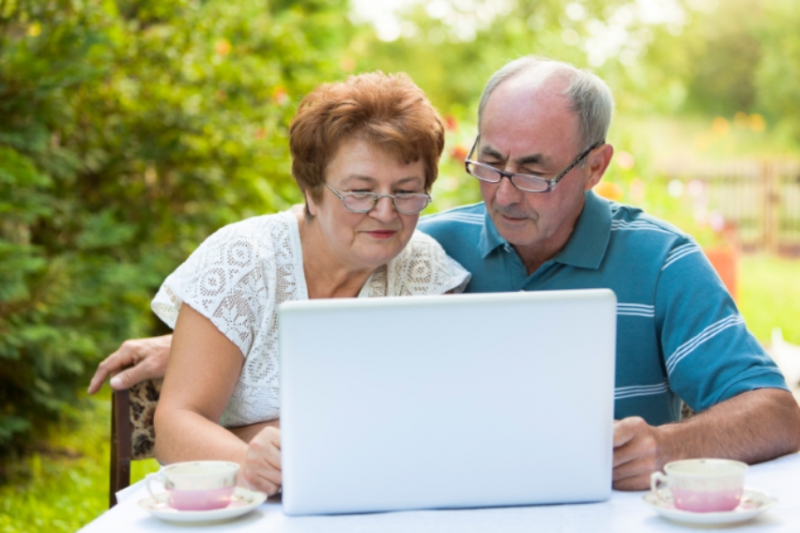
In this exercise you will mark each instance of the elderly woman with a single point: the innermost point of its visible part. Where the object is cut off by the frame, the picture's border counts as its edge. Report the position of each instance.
(364, 154)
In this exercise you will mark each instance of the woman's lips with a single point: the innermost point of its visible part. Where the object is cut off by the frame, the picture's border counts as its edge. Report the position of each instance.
(381, 234)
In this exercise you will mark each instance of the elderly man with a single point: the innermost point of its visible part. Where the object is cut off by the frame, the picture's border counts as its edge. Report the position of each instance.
(541, 147)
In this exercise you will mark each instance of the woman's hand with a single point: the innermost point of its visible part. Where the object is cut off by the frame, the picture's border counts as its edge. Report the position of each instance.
(147, 359)
(262, 465)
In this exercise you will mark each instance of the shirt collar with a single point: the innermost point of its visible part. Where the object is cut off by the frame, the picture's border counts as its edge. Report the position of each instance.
(585, 248)
(490, 237)
(587, 245)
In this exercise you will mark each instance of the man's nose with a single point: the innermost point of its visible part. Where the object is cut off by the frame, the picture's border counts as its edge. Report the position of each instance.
(507, 193)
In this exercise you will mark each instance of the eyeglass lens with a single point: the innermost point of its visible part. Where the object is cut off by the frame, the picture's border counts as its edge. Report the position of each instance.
(487, 173)
(409, 204)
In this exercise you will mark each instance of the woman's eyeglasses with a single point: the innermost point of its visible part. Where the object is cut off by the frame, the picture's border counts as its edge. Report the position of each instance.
(362, 202)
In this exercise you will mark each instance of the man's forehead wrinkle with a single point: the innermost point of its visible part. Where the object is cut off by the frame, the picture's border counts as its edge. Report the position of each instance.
(491, 152)
(527, 159)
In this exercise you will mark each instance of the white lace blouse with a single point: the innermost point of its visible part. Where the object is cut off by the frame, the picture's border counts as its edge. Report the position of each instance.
(237, 277)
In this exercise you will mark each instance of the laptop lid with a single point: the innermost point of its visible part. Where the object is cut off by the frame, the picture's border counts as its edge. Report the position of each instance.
(447, 401)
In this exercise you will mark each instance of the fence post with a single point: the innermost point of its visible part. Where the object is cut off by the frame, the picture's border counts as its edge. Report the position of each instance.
(771, 199)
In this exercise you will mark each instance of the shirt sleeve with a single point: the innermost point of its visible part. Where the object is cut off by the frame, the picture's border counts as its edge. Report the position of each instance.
(423, 267)
(709, 354)
(220, 280)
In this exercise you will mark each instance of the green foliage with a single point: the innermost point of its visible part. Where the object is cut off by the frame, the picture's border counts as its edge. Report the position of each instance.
(734, 56)
(778, 74)
(64, 485)
(129, 131)
(769, 296)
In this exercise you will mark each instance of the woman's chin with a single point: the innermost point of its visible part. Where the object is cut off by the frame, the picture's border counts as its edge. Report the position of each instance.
(379, 254)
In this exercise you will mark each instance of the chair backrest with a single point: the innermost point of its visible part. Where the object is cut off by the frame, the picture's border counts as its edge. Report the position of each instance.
(132, 432)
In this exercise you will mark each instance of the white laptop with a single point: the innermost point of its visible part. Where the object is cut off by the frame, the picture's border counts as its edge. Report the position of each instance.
(447, 401)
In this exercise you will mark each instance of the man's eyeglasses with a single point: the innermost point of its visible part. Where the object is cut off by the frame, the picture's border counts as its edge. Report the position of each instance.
(523, 182)
(362, 202)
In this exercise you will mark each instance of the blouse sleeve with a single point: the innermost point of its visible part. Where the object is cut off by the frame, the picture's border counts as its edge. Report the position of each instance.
(222, 281)
(423, 267)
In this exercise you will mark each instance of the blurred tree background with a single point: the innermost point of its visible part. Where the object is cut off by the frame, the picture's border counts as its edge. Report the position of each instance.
(132, 129)
(129, 131)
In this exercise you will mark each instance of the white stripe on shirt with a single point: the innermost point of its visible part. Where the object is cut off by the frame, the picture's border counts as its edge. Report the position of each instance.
(636, 310)
(640, 390)
(679, 253)
(617, 225)
(709, 333)
(467, 218)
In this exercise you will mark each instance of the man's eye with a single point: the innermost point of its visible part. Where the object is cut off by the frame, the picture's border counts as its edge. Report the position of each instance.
(403, 193)
(360, 192)
(533, 173)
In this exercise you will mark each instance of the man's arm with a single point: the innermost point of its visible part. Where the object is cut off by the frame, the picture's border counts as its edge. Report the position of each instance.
(752, 427)
(147, 359)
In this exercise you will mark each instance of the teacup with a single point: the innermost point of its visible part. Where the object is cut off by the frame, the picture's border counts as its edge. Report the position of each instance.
(196, 485)
(701, 485)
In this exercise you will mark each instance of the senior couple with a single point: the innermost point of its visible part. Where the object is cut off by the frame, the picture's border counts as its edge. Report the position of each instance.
(365, 154)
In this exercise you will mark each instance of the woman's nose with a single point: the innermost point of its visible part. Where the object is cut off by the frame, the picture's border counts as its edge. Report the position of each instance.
(384, 209)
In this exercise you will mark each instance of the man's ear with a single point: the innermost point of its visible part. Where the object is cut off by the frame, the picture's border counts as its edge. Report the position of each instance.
(597, 162)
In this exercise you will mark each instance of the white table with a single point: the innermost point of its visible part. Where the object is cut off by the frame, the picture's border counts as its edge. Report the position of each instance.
(624, 512)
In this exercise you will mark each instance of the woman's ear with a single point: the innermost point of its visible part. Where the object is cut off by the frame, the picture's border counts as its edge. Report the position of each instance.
(311, 205)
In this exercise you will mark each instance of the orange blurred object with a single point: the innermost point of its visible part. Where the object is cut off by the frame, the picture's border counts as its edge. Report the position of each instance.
(222, 47)
(459, 152)
(280, 95)
(725, 260)
(451, 123)
(609, 190)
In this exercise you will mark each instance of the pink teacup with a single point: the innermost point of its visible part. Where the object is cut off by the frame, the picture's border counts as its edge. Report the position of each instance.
(196, 485)
(701, 485)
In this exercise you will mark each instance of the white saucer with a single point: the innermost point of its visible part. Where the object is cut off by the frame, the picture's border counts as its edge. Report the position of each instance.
(244, 501)
(753, 503)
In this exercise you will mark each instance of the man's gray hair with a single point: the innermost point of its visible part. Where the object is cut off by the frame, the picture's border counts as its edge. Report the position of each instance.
(589, 96)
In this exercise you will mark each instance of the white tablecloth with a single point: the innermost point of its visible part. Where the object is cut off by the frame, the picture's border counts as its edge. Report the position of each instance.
(624, 512)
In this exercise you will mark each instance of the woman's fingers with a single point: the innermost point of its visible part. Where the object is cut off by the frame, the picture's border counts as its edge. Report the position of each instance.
(262, 467)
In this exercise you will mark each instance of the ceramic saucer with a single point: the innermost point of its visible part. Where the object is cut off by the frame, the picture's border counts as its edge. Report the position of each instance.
(753, 503)
(244, 501)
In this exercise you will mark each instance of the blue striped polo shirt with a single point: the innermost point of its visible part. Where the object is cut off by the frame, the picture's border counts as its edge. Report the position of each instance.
(680, 335)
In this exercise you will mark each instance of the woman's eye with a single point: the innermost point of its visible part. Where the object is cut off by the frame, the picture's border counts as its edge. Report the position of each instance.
(360, 191)
(408, 192)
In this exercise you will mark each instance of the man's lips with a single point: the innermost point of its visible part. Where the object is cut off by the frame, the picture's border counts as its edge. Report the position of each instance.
(510, 218)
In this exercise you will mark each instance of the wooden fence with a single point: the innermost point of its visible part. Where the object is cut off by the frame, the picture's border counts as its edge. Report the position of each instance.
(761, 200)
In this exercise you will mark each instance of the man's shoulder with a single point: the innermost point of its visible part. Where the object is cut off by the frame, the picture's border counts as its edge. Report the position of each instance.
(633, 223)
(466, 217)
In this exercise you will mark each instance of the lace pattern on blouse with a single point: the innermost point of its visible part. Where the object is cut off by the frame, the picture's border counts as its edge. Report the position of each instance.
(237, 277)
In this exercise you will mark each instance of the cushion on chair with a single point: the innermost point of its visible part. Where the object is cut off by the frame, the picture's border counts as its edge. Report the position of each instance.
(143, 397)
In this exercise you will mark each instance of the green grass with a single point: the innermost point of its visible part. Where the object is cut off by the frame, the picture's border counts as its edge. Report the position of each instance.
(769, 296)
(65, 485)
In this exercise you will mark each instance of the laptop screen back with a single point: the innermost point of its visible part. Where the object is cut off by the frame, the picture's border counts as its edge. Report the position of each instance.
(447, 401)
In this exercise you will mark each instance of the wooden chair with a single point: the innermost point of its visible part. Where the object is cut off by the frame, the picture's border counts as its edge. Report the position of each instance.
(132, 432)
